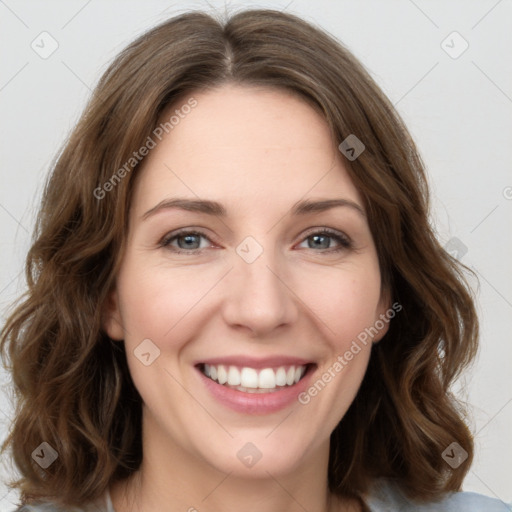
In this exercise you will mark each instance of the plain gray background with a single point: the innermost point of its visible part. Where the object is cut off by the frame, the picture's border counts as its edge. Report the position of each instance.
(457, 102)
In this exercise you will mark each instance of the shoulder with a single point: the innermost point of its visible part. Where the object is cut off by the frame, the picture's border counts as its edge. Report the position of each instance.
(102, 504)
(386, 496)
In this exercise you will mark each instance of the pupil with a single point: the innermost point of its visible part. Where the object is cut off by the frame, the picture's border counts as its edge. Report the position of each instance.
(316, 239)
(189, 241)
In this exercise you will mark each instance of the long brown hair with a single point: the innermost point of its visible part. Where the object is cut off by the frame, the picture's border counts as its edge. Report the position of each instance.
(72, 384)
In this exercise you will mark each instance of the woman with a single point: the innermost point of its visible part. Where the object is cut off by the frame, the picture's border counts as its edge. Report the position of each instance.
(235, 298)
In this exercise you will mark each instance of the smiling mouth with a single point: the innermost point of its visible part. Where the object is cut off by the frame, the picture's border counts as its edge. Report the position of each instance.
(251, 380)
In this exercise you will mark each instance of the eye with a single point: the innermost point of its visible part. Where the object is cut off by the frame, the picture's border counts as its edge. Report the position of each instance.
(189, 241)
(322, 240)
(185, 241)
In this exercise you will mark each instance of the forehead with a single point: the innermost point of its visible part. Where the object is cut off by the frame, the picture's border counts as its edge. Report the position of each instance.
(247, 145)
(254, 115)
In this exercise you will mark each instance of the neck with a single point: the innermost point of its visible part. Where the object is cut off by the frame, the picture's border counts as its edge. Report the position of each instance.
(184, 482)
(136, 494)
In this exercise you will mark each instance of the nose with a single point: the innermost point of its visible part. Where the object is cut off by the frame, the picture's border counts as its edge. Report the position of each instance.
(258, 297)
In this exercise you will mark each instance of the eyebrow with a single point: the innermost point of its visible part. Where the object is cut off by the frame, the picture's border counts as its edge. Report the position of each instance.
(208, 207)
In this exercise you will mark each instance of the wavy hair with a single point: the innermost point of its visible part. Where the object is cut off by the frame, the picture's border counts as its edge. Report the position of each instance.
(72, 385)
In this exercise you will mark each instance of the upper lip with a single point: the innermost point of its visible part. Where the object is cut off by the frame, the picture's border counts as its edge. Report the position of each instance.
(255, 362)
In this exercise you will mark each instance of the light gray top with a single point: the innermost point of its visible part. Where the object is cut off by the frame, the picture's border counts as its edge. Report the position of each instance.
(383, 497)
(387, 497)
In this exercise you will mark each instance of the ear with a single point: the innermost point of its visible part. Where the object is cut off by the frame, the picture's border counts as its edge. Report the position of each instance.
(383, 315)
(112, 321)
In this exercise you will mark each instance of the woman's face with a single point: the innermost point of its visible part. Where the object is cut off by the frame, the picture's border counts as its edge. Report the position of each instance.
(238, 266)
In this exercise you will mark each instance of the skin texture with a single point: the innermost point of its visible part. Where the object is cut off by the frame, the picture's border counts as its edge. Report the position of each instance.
(257, 151)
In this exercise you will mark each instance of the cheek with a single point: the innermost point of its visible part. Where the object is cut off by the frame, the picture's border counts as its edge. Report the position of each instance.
(345, 301)
(155, 301)
(157, 304)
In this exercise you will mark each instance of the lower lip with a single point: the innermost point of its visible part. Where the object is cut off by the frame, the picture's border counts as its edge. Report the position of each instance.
(256, 403)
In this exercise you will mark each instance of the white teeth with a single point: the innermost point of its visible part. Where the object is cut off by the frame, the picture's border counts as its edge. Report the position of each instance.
(281, 377)
(222, 374)
(251, 380)
(233, 376)
(267, 379)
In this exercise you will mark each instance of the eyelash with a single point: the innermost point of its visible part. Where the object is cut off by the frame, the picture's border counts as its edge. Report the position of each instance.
(343, 241)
